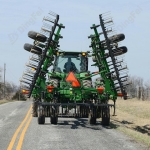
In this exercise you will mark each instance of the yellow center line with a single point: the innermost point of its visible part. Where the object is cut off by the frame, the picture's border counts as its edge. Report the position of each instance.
(11, 144)
(23, 134)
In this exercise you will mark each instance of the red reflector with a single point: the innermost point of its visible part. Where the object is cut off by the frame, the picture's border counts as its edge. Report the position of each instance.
(100, 89)
(50, 90)
(50, 87)
(120, 94)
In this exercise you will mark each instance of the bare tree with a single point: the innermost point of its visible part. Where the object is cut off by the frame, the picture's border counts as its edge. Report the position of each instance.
(135, 89)
(10, 87)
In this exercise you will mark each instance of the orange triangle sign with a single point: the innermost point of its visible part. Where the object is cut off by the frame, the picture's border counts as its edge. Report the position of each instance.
(71, 78)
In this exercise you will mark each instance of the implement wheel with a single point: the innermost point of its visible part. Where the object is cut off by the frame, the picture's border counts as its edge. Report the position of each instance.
(33, 49)
(105, 116)
(37, 36)
(41, 116)
(54, 120)
(92, 120)
(41, 119)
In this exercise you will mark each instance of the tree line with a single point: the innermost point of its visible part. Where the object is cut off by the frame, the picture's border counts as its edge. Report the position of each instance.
(138, 88)
(9, 90)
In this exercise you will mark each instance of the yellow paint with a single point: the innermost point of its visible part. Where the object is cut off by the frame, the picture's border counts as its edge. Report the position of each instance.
(11, 144)
(23, 134)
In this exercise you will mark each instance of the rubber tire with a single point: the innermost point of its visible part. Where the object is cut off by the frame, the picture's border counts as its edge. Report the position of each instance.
(33, 49)
(105, 116)
(37, 36)
(55, 82)
(116, 38)
(54, 120)
(91, 120)
(41, 119)
(87, 83)
(120, 50)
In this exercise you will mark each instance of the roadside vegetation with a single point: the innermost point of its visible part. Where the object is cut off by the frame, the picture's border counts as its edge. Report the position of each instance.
(133, 118)
(9, 91)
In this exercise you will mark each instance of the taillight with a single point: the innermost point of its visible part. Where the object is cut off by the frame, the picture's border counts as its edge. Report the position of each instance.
(50, 88)
(100, 89)
(25, 92)
(119, 94)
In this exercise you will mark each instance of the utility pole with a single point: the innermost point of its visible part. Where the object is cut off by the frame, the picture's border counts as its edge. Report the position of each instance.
(4, 78)
(19, 90)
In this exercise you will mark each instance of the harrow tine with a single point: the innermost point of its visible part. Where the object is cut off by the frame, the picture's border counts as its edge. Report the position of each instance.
(53, 14)
(25, 82)
(26, 78)
(49, 19)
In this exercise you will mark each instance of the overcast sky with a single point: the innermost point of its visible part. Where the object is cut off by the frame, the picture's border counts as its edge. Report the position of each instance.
(131, 17)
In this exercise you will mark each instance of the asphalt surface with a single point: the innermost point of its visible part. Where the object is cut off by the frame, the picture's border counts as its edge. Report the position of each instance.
(68, 134)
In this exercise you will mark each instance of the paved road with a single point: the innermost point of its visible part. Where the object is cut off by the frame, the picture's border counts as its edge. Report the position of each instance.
(69, 134)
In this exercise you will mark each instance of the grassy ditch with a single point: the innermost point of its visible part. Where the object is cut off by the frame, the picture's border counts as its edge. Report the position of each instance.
(133, 118)
(5, 101)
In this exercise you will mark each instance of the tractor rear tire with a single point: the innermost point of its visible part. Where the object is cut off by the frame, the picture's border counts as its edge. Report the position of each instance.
(87, 83)
(33, 49)
(37, 36)
(41, 119)
(55, 82)
(105, 116)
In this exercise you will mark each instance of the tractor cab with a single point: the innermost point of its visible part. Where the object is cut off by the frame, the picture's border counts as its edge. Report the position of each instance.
(66, 62)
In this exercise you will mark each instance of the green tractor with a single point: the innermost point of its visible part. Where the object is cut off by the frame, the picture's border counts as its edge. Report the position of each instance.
(68, 88)
(71, 76)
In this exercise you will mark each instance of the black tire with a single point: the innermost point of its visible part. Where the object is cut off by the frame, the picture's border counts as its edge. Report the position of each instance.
(54, 120)
(37, 36)
(91, 119)
(41, 119)
(87, 83)
(105, 116)
(116, 38)
(33, 49)
(120, 50)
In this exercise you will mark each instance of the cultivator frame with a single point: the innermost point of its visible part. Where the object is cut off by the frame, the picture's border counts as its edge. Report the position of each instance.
(46, 96)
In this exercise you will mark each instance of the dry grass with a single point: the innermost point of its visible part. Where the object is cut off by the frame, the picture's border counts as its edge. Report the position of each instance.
(133, 118)
(5, 101)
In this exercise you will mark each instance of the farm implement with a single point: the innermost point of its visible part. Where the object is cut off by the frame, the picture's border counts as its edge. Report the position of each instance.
(67, 89)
